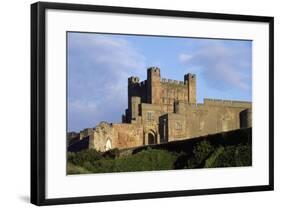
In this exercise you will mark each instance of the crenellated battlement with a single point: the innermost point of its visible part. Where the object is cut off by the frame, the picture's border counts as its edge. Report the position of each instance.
(133, 80)
(154, 70)
(143, 83)
(135, 83)
(172, 82)
(232, 103)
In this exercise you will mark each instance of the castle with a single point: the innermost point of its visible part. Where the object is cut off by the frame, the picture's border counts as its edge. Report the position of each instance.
(164, 110)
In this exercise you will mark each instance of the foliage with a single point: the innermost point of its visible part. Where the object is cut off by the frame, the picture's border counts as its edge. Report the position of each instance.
(80, 158)
(150, 159)
(212, 160)
(201, 152)
(74, 169)
(204, 154)
(231, 156)
(113, 153)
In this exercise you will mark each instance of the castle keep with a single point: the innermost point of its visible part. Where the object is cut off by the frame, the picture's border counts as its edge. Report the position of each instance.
(163, 110)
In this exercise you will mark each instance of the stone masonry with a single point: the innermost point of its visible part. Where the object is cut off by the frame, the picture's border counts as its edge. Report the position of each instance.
(163, 110)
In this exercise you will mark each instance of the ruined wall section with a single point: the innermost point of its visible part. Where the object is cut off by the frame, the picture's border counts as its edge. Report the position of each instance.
(109, 136)
(100, 136)
(127, 135)
(85, 132)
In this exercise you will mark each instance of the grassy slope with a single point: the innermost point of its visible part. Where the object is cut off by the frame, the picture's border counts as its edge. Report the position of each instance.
(220, 150)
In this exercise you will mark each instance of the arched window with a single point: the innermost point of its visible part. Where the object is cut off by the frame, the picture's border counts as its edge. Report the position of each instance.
(108, 144)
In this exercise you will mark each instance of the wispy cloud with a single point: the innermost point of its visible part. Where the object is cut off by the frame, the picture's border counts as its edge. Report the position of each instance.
(224, 64)
(184, 58)
(98, 69)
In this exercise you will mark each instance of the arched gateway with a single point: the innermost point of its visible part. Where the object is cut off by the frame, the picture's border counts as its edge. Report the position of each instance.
(151, 137)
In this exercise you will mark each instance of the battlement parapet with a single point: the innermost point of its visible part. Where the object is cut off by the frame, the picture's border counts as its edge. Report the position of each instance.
(155, 71)
(221, 102)
(153, 68)
(133, 80)
(171, 81)
(143, 83)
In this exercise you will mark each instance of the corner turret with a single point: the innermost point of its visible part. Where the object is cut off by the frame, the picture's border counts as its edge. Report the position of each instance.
(154, 85)
(190, 82)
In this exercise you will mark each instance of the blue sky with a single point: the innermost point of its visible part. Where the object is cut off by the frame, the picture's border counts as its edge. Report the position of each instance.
(100, 64)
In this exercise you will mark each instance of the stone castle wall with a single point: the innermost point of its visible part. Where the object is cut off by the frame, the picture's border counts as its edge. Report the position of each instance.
(161, 91)
(108, 136)
(164, 110)
(203, 119)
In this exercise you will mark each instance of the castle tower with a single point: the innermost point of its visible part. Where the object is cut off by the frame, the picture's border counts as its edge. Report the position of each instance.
(153, 85)
(133, 91)
(246, 118)
(136, 101)
(190, 81)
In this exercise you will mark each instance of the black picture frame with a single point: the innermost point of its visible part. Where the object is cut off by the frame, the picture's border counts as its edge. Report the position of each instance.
(38, 102)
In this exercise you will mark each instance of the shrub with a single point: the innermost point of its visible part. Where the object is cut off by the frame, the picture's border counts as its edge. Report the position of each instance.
(113, 153)
(200, 153)
(212, 160)
(79, 158)
(73, 169)
(150, 159)
(231, 156)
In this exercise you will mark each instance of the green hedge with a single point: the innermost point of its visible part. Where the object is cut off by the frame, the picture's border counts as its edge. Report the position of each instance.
(203, 154)
(145, 160)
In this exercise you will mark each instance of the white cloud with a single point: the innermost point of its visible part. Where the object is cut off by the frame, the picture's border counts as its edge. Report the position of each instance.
(184, 58)
(99, 67)
(223, 63)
